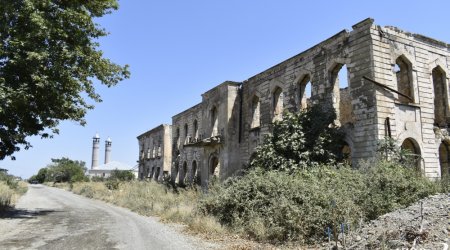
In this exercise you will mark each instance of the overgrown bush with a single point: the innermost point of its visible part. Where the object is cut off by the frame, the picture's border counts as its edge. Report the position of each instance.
(276, 206)
(301, 140)
(392, 186)
(121, 175)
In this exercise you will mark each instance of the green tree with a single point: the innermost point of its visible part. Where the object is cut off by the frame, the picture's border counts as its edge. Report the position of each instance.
(66, 170)
(49, 58)
(301, 140)
(41, 176)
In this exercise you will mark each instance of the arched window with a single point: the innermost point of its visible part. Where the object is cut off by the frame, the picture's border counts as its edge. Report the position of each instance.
(304, 93)
(277, 104)
(214, 166)
(341, 98)
(175, 173)
(214, 122)
(444, 159)
(186, 131)
(194, 173)
(255, 123)
(177, 138)
(403, 73)
(183, 178)
(412, 155)
(195, 129)
(440, 97)
(149, 153)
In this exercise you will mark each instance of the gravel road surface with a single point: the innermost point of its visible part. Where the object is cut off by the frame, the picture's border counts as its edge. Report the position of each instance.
(51, 218)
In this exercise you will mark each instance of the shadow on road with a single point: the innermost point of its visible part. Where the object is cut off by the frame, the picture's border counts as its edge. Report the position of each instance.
(25, 214)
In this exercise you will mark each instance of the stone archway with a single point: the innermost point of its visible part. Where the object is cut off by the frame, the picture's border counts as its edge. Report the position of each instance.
(194, 175)
(214, 167)
(184, 175)
(412, 155)
(444, 158)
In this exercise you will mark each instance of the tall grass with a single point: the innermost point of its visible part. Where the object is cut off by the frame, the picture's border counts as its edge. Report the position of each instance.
(10, 192)
(152, 199)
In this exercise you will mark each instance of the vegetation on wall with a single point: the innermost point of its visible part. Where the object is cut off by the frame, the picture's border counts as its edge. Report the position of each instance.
(296, 189)
(300, 141)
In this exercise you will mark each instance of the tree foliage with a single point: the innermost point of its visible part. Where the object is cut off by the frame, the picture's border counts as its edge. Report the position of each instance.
(62, 170)
(49, 58)
(301, 140)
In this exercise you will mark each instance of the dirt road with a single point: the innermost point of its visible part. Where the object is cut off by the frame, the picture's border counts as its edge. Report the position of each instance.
(50, 218)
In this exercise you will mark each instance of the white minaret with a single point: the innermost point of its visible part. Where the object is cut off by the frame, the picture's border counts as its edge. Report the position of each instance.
(108, 143)
(95, 149)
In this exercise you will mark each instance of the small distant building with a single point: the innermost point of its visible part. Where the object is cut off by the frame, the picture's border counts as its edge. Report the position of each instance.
(155, 153)
(105, 169)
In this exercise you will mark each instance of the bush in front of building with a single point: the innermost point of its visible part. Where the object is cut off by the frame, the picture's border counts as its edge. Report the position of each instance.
(297, 189)
(278, 206)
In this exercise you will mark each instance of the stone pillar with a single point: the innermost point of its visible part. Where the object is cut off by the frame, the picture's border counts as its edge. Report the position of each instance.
(95, 149)
(108, 143)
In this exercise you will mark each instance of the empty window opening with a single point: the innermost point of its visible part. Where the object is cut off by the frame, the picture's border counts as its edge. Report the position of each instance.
(214, 122)
(411, 156)
(158, 172)
(255, 123)
(186, 131)
(277, 104)
(152, 172)
(304, 93)
(184, 176)
(444, 159)
(177, 138)
(440, 97)
(341, 97)
(195, 129)
(403, 73)
(194, 173)
(175, 173)
(214, 167)
(149, 153)
(159, 151)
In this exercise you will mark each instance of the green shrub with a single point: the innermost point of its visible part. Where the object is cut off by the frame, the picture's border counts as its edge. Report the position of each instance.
(390, 185)
(112, 184)
(276, 206)
(121, 175)
(301, 140)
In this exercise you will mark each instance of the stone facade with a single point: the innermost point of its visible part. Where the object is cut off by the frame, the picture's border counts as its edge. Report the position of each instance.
(396, 84)
(155, 153)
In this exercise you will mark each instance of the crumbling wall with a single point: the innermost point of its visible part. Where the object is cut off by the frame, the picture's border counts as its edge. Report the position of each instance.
(355, 108)
(419, 119)
(155, 153)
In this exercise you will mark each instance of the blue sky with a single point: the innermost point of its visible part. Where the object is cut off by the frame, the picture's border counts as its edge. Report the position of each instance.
(179, 49)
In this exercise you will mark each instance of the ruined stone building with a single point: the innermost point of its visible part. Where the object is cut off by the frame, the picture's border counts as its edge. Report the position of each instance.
(397, 86)
(155, 159)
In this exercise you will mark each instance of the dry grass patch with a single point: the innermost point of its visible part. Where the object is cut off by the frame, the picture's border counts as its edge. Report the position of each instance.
(153, 199)
(10, 194)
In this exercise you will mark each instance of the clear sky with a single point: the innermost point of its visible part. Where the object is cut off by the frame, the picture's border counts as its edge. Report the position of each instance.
(177, 50)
